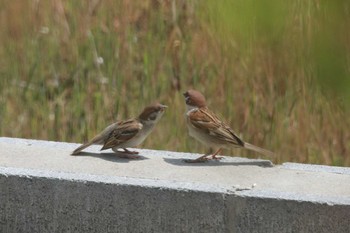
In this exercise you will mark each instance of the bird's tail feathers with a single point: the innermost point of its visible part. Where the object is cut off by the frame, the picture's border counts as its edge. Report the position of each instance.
(80, 148)
(258, 149)
(95, 140)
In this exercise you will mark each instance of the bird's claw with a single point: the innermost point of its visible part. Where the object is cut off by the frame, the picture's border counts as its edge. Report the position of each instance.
(217, 158)
(199, 160)
(130, 152)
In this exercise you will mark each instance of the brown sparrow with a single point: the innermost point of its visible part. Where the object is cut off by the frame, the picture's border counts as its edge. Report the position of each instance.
(206, 127)
(128, 133)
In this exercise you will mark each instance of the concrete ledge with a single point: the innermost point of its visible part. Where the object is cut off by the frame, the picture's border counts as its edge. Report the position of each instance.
(44, 189)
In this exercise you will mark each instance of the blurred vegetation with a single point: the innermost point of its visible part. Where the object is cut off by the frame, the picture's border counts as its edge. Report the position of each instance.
(276, 71)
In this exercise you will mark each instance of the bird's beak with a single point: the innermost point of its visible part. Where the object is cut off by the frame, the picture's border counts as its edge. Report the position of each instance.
(184, 94)
(163, 106)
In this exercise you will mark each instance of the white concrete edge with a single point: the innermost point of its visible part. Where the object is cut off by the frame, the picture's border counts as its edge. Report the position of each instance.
(117, 180)
(317, 168)
(171, 185)
(176, 185)
(287, 165)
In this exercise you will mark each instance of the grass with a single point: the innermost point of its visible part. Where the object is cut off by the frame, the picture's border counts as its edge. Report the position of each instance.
(274, 71)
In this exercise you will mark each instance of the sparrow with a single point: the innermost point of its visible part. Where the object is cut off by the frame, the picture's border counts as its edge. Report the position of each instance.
(208, 129)
(128, 133)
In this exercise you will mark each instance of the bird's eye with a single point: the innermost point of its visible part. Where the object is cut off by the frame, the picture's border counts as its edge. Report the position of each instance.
(152, 117)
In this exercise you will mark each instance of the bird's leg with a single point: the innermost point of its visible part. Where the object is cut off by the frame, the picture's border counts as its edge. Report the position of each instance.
(130, 152)
(125, 154)
(214, 155)
(201, 159)
(204, 158)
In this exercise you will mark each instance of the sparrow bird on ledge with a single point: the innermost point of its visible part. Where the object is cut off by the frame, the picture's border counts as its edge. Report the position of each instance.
(208, 129)
(128, 133)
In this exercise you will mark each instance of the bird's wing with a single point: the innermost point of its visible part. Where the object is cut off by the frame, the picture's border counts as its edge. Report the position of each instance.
(206, 121)
(124, 131)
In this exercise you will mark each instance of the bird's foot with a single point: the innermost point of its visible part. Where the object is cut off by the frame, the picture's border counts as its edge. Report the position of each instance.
(216, 158)
(129, 151)
(126, 154)
(204, 158)
(201, 159)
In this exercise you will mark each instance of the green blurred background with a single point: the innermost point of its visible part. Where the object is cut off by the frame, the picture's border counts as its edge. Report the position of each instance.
(276, 71)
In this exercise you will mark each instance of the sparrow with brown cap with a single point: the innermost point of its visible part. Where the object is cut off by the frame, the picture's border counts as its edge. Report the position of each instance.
(208, 129)
(128, 133)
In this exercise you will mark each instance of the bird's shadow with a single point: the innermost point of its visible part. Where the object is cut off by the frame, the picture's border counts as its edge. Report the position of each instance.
(112, 157)
(181, 162)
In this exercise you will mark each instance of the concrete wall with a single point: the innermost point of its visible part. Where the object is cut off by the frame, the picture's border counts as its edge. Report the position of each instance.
(44, 189)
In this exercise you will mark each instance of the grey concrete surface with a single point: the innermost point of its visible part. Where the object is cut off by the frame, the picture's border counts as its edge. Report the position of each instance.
(44, 189)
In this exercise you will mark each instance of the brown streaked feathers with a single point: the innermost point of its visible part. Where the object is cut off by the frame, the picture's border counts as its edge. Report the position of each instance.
(126, 130)
(206, 121)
